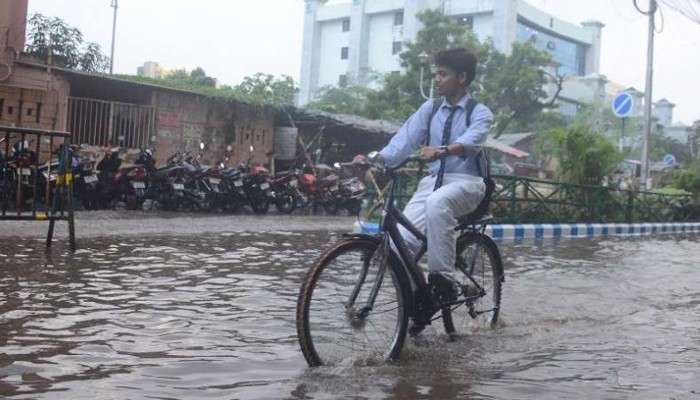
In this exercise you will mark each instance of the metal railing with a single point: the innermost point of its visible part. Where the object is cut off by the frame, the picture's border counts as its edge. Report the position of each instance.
(529, 200)
(37, 183)
(524, 199)
(101, 123)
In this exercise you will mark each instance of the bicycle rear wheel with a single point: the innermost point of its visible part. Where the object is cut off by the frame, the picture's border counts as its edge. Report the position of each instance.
(337, 321)
(479, 270)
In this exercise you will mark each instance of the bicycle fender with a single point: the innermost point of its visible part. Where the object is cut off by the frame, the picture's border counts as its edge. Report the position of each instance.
(374, 238)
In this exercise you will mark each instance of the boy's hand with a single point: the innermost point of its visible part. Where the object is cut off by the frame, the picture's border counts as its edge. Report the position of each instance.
(428, 153)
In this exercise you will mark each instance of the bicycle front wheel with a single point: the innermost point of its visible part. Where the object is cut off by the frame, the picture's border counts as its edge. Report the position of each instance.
(352, 306)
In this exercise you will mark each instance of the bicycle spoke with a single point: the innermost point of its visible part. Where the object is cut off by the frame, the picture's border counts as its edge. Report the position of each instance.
(354, 308)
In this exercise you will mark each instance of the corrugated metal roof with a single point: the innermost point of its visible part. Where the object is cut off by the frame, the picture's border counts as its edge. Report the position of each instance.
(512, 139)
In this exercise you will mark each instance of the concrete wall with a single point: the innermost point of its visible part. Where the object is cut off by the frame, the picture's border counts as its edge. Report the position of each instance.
(383, 35)
(332, 40)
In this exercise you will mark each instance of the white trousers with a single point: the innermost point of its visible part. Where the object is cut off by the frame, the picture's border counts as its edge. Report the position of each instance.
(435, 214)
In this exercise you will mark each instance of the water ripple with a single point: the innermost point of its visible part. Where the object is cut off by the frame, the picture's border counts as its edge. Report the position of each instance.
(212, 316)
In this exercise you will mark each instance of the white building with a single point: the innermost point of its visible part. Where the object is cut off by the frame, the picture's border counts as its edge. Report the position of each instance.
(663, 112)
(358, 38)
(152, 69)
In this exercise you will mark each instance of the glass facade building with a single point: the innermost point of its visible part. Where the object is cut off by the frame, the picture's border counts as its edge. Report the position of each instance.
(570, 55)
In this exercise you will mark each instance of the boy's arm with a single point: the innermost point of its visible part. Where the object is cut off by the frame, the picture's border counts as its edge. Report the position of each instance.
(409, 138)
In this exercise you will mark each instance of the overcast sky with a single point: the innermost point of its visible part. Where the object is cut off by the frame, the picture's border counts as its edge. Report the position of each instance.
(231, 39)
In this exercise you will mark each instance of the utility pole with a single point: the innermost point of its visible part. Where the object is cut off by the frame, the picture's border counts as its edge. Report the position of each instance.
(647, 95)
(115, 5)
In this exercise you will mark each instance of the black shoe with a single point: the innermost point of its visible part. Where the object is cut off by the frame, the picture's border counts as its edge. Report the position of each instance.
(445, 288)
(415, 328)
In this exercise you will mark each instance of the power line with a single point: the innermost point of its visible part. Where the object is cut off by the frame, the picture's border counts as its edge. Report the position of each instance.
(688, 8)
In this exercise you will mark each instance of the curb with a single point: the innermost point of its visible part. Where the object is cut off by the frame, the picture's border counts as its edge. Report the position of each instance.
(551, 231)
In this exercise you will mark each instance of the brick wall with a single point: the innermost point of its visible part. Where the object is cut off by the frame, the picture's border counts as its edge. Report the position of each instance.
(184, 120)
(32, 98)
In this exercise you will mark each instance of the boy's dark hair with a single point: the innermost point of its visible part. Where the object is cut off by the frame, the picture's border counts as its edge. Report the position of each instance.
(460, 60)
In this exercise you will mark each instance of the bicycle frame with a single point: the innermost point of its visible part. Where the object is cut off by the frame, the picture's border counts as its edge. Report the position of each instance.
(392, 217)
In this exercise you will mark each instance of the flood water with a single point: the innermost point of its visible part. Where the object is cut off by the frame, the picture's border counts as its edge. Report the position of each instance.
(212, 317)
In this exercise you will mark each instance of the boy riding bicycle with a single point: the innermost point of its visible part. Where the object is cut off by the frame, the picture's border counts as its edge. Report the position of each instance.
(450, 133)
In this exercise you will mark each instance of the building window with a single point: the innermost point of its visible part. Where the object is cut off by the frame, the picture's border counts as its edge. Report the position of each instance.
(396, 48)
(344, 53)
(346, 25)
(398, 18)
(467, 21)
(343, 80)
(568, 108)
(568, 54)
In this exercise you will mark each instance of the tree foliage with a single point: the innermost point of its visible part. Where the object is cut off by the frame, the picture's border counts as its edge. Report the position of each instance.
(261, 89)
(347, 99)
(583, 155)
(511, 85)
(196, 78)
(53, 41)
(269, 88)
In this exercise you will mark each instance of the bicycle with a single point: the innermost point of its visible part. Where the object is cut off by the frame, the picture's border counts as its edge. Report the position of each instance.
(356, 300)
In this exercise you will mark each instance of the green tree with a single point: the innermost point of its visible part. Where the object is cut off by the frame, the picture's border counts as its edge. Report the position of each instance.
(688, 178)
(694, 140)
(583, 155)
(53, 41)
(200, 78)
(342, 100)
(661, 145)
(268, 88)
(197, 78)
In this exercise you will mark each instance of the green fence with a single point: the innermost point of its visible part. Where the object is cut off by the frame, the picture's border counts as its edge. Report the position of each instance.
(529, 200)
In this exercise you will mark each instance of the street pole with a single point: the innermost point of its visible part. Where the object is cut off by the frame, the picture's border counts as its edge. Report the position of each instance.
(115, 5)
(622, 136)
(647, 95)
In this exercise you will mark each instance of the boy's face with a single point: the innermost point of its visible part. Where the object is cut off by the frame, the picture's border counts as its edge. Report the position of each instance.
(448, 82)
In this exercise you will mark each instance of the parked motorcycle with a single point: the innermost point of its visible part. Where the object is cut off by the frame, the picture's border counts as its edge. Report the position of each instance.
(284, 191)
(351, 190)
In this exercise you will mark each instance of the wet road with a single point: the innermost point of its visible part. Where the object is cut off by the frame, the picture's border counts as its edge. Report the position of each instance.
(211, 316)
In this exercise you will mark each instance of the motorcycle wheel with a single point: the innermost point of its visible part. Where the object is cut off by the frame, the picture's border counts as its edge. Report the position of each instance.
(133, 202)
(260, 203)
(169, 202)
(354, 207)
(232, 204)
(286, 203)
(331, 207)
(88, 201)
(303, 200)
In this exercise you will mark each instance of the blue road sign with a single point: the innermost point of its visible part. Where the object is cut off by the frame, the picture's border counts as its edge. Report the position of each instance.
(670, 159)
(622, 105)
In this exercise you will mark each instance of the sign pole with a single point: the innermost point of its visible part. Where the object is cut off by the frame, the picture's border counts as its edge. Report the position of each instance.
(647, 95)
(622, 135)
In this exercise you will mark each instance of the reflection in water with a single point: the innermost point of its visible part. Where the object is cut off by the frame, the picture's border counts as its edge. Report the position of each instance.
(212, 316)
